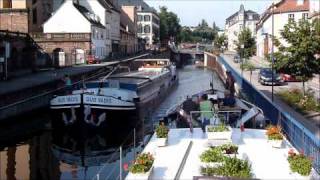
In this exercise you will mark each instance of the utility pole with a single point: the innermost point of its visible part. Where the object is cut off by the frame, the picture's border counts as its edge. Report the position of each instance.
(272, 50)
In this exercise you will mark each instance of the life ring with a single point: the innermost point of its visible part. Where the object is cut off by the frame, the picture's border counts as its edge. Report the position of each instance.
(90, 118)
(72, 118)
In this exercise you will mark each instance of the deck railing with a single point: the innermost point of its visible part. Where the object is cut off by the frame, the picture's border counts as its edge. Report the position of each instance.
(301, 137)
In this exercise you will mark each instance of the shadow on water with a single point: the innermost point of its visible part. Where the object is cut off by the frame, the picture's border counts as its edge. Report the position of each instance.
(32, 148)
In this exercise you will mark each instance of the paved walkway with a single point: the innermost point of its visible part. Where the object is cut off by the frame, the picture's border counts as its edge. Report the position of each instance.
(32, 80)
(312, 125)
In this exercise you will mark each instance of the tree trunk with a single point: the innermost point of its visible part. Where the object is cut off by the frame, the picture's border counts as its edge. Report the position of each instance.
(250, 75)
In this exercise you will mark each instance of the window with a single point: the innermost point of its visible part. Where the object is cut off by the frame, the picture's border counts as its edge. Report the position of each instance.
(304, 15)
(146, 29)
(240, 26)
(34, 16)
(146, 18)
(291, 17)
(140, 28)
(34, 1)
(140, 18)
(7, 4)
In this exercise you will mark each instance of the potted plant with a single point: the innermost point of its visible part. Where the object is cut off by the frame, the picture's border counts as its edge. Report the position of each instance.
(212, 157)
(162, 135)
(142, 166)
(275, 138)
(219, 132)
(299, 163)
(232, 167)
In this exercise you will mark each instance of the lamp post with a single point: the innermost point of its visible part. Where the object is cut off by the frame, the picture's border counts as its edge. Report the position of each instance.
(241, 51)
(272, 53)
(272, 50)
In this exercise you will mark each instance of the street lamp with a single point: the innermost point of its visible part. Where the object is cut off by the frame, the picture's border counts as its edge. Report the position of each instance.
(241, 51)
(272, 52)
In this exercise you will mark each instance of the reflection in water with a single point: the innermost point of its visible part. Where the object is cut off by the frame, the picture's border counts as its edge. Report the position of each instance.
(30, 160)
(30, 150)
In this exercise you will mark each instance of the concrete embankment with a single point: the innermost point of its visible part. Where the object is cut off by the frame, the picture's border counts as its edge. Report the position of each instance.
(34, 91)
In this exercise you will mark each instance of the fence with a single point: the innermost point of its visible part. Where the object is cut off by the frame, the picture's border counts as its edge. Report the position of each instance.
(299, 136)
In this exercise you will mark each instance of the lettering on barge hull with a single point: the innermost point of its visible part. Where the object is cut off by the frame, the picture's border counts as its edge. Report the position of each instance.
(105, 101)
(71, 99)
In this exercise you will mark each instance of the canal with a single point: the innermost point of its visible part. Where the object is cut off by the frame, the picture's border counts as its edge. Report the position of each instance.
(33, 149)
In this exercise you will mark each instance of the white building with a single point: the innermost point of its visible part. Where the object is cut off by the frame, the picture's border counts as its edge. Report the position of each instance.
(282, 12)
(314, 8)
(148, 21)
(235, 24)
(78, 20)
(102, 9)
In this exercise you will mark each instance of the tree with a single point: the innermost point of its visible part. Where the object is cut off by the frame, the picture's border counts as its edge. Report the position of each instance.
(298, 58)
(169, 24)
(249, 44)
(247, 66)
(220, 41)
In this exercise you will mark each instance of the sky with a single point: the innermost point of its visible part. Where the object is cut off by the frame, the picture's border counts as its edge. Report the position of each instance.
(191, 12)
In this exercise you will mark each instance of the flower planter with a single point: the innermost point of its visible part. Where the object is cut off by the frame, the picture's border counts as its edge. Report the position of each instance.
(142, 176)
(210, 164)
(225, 135)
(161, 142)
(276, 143)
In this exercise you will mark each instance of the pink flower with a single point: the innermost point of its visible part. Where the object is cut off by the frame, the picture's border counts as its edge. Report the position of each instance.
(126, 166)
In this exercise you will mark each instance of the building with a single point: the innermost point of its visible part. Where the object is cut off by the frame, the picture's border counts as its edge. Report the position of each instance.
(103, 10)
(39, 12)
(115, 27)
(14, 16)
(238, 21)
(148, 23)
(128, 30)
(314, 9)
(74, 36)
(282, 12)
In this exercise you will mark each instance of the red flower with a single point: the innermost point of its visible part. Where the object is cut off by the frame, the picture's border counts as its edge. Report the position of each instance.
(126, 166)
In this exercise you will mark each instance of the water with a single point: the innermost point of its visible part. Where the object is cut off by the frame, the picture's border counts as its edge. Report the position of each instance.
(31, 149)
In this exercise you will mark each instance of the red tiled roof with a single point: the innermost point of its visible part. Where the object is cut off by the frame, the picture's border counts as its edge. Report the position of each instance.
(284, 6)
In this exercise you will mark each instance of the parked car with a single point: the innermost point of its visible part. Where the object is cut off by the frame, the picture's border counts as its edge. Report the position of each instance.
(236, 59)
(289, 78)
(265, 77)
(93, 60)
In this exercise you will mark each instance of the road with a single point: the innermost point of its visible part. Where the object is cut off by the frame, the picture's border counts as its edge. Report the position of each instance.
(312, 124)
(312, 84)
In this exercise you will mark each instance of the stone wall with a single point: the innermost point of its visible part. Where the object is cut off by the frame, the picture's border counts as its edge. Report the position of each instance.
(15, 20)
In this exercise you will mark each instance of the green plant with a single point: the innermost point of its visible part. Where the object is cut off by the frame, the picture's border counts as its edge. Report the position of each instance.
(219, 128)
(300, 163)
(232, 167)
(275, 137)
(229, 148)
(212, 155)
(162, 131)
(142, 164)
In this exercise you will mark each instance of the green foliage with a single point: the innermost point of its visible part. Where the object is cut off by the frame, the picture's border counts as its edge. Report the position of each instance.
(220, 41)
(162, 131)
(212, 155)
(245, 38)
(296, 99)
(218, 128)
(201, 33)
(247, 66)
(142, 164)
(300, 164)
(232, 167)
(275, 137)
(297, 57)
(169, 24)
